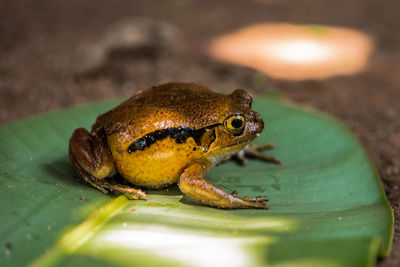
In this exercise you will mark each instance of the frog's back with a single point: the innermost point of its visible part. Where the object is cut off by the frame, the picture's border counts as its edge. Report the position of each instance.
(169, 105)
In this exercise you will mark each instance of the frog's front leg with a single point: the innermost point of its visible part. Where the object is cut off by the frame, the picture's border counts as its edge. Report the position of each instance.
(192, 184)
(254, 151)
(93, 162)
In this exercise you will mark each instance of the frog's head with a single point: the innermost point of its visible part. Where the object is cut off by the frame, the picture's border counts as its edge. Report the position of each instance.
(239, 126)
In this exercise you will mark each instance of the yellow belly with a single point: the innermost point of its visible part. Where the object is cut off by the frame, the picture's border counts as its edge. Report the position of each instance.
(158, 165)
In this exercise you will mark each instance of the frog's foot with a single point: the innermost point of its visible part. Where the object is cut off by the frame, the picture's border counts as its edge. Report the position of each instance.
(254, 151)
(106, 186)
(192, 184)
(129, 192)
(93, 162)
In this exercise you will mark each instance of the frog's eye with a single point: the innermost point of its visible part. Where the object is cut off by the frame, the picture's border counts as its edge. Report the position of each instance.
(234, 123)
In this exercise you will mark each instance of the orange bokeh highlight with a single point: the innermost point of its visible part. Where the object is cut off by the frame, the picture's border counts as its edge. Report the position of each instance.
(295, 52)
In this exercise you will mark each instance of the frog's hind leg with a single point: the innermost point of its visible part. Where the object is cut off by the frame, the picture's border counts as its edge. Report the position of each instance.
(92, 160)
(192, 184)
(254, 151)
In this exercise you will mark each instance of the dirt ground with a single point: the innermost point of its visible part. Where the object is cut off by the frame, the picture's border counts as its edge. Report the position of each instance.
(56, 54)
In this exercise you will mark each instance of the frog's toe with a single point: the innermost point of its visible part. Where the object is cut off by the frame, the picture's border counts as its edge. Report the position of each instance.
(234, 193)
(135, 194)
(262, 205)
(254, 151)
(240, 158)
(261, 147)
(260, 198)
(129, 192)
(259, 202)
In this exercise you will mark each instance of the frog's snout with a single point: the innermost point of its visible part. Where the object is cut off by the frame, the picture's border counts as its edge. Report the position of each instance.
(256, 125)
(259, 121)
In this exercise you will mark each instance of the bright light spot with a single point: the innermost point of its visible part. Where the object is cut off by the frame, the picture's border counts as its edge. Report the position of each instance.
(296, 52)
(186, 247)
(300, 51)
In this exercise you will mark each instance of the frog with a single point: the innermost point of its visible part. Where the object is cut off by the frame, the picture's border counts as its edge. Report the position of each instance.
(171, 133)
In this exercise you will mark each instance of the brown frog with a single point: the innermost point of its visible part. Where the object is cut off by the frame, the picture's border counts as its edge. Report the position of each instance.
(171, 133)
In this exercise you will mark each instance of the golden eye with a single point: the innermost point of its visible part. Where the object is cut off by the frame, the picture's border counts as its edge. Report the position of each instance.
(234, 123)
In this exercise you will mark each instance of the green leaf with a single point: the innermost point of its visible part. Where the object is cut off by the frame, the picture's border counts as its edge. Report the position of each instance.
(327, 203)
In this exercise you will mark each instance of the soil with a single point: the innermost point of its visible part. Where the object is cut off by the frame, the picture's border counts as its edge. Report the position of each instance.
(56, 54)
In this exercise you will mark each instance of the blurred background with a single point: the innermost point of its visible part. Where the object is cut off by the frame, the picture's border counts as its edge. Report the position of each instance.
(341, 57)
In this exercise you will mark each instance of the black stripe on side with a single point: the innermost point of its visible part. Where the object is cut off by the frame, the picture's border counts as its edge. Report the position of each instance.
(179, 134)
